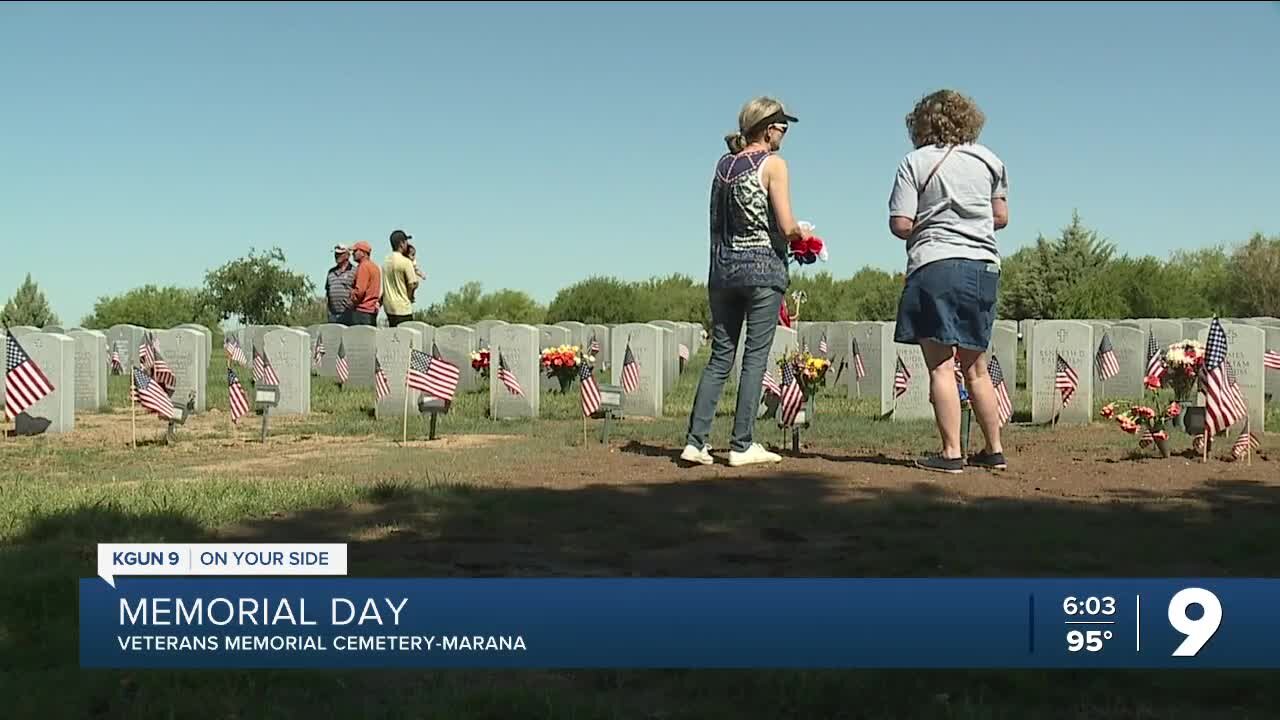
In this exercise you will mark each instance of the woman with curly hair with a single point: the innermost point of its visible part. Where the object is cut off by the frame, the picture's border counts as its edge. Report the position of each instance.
(949, 198)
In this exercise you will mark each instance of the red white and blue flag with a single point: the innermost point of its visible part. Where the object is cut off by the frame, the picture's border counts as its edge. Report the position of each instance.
(590, 390)
(25, 384)
(237, 396)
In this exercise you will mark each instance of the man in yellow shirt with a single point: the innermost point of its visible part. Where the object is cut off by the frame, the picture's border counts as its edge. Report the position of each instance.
(399, 281)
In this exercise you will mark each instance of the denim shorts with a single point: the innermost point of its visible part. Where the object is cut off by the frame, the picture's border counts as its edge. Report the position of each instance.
(952, 302)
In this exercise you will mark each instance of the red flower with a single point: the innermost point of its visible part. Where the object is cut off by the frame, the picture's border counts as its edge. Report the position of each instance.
(1152, 382)
(1108, 410)
(1160, 435)
(1174, 410)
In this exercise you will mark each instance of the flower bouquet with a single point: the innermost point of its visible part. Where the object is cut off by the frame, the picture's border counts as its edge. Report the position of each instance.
(1149, 422)
(480, 362)
(1182, 363)
(564, 363)
(810, 373)
(807, 251)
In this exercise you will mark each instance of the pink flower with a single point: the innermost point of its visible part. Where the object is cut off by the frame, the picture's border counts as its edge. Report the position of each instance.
(1152, 382)
(1108, 410)
(1174, 410)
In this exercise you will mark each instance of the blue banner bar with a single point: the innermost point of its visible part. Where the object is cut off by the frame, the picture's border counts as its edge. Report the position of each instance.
(678, 623)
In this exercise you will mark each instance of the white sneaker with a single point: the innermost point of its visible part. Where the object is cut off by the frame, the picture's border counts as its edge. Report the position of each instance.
(694, 455)
(753, 455)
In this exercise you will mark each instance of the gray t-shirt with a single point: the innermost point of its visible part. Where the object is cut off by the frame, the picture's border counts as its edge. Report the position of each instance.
(953, 216)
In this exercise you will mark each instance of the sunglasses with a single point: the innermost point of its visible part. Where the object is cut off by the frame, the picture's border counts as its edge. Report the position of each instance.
(780, 127)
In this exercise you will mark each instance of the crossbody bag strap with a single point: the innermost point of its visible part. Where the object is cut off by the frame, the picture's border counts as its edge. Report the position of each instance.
(934, 171)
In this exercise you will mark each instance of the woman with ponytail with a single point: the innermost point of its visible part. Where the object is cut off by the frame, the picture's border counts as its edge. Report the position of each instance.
(751, 228)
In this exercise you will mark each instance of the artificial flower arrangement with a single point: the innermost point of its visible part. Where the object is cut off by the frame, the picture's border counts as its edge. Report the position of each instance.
(810, 370)
(1182, 363)
(807, 251)
(564, 363)
(480, 362)
(1148, 421)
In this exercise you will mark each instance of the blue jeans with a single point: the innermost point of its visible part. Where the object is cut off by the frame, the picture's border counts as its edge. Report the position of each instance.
(341, 318)
(730, 308)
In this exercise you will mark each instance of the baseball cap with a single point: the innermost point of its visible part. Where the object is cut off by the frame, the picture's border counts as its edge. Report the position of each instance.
(340, 248)
(362, 245)
(398, 236)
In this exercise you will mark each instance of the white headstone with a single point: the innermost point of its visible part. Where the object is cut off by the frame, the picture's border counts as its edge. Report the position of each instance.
(289, 352)
(456, 343)
(811, 335)
(1193, 329)
(874, 342)
(839, 344)
(92, 361)
(519, 347)
(1167, 332)
(126, 339)
(1004, 345)
(484, 329)
(19, 330)
(1130, 347)
(645, 342)
(208, 339)
(603, 357)
(183, 351)
(578, 334)
(360, 342)
(914, 403)
(394, 346)
(330, 335)
(56, 412)
(1074, 342)
(427, 332)
(670, 358)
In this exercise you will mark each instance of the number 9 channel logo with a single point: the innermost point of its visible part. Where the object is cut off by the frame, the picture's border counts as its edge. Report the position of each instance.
(1197, 631)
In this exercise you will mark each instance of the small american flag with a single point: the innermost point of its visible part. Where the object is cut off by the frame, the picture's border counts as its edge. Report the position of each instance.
(432, 374)
(1197, 443)
(860, 370)
(235, 353)
(269, 375)
(822, 344)
(144, 350)
(381, 385)
(508, 378)
(1155, 361)
(1003, 404)
(1223, 403)
(590, 390)
(160, 370)
(317, 353)
(792, 396)
(1108, 365)
(258, 366)
(1243, 444)
(901, 379)
(236, 394)
(25, 384)
(117, 366)
(594, 349)
(770, 384)
(1271, 360)
(630, 371)
(148, 393)
(1065, 380)
(340, 367)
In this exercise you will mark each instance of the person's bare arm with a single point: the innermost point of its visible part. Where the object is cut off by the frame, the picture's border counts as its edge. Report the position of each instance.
(1000, 210)
(901, 227)
(777, 183)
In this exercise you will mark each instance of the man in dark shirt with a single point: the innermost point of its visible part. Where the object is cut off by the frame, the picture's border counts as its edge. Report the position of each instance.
(337, 286)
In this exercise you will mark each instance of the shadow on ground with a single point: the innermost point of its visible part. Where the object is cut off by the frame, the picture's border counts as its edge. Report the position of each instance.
(793, 524)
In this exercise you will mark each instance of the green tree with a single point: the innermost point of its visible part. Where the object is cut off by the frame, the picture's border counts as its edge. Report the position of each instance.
(872, 294)
(1255, 270)
(259, 289)
(675, 297)
(312, 311)
(151, 307)
(596, 300)
(469, 304)
(28, 306)
(1039, 280)
(1201, 282)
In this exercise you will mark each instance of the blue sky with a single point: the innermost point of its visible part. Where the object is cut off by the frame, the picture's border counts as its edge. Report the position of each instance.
(531, 146)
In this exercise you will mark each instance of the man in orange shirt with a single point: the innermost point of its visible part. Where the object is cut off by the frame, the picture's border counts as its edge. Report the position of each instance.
(366, 293)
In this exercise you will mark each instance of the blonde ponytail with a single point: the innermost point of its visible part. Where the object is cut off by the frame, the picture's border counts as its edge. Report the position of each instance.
(737, 142)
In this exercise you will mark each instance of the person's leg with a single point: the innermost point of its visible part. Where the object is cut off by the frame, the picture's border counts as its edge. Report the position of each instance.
(944, 393)
(762, 309)
(983, 397)
(727, 310)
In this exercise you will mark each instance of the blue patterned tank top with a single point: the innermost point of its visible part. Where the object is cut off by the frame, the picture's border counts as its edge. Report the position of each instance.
(747, 247)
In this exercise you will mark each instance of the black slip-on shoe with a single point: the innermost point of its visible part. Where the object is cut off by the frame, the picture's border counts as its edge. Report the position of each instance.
(993, 461)
(937, 463)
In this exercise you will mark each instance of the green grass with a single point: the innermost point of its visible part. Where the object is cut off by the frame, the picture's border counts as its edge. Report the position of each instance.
(418, 512)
